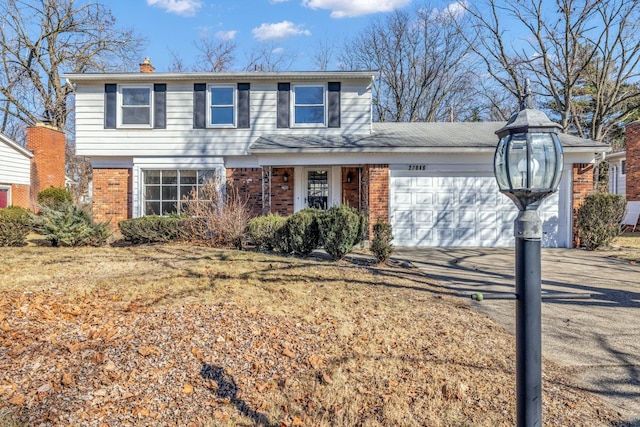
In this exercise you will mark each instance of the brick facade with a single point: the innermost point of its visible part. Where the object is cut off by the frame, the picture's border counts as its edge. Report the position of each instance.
(21, 196)
(278, 198)
(112, 194)
(248, 182)
(351, 194)
(632, 137)
(377, 179)
(582, 187)
(48, 162)
(281, 191)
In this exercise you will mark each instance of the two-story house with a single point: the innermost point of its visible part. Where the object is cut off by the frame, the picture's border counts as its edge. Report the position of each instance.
(289, 140)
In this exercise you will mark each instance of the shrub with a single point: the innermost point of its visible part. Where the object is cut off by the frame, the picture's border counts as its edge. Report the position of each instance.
(303, 235)
(381, 245)
(15, 224)
(340, 229)
(213, 219)
(150, 229)
(71, 225)
(268, 232)
(599, 219)
(54, 198)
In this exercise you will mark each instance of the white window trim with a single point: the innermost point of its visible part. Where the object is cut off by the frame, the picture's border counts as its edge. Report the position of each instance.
(119, 110)
(235, 106)
(293, 106)
(8, 188)
(143, 185)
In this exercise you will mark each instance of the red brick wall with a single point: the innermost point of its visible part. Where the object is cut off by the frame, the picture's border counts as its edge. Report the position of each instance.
(632, 137)
(582, 187)
(350, 194)
(282, 192)
(21, 196)
(112, 191)
(248, 182)
(48, 161)
(378, 193)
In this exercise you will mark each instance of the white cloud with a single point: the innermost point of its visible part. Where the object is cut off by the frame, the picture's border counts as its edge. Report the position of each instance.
(342, 9)
(453, 11)
(278, 50)
(179, 7)
(226, 35)
(279, 31)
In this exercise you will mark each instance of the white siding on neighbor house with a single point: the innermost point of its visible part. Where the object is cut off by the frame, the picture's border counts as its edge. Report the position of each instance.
(15, 167)
(617, 180)
(181, 139)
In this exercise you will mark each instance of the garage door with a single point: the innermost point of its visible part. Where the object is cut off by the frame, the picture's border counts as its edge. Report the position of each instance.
(458, 209)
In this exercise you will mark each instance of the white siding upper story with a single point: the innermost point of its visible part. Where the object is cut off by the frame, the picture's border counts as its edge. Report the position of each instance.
(15, 163)
(179, 138)
(617, 173)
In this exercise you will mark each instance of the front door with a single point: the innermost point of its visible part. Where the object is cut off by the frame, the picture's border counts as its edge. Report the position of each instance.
(317, 188)
(4, 197)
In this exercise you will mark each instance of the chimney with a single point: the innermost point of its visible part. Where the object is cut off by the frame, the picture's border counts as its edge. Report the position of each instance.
(146, 66)
(48, 162)
(632, 139)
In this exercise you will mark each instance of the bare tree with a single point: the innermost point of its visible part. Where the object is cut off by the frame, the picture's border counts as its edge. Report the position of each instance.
(423, 61)
(583, 55)
(214, 55)
(269, 57)
(324, 54)
(41, 39)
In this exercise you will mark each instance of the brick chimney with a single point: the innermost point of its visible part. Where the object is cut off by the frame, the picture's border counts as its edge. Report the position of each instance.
(146, 67)
(632, 138)
(48, 162)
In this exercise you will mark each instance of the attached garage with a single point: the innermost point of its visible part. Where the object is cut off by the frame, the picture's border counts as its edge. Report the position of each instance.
(463, 208)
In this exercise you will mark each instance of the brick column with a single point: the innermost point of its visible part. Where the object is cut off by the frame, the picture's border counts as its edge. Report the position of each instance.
(48, 161)
(632, 139)
(112, 191)
(21, 196)
(378, 194)
(582, 187)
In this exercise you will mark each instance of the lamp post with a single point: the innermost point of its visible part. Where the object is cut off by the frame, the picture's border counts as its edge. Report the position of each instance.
(528, 168)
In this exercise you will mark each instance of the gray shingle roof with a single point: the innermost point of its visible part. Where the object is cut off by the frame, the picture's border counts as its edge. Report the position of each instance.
(406, 137)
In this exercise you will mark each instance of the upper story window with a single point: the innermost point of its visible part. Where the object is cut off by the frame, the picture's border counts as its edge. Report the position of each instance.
(309, 105)
(222, 101)
(135, 106)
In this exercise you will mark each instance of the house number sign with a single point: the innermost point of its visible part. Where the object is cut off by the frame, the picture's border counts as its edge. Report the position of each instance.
(417, 167)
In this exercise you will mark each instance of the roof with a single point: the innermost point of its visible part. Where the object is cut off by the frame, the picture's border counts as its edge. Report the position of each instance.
(236, 76)
(407, 137)
(19, 148)
(618, 155)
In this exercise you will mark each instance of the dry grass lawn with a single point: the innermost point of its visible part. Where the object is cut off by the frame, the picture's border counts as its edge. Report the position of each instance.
(181, 335)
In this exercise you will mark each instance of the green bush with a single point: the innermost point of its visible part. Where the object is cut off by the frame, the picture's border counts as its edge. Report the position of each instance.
(54, 198)
(15, 224)
(303, 235)
(340, 229)
(70, 225)
(381, 245)
(268, 232)
(150, 229)
(599, 219)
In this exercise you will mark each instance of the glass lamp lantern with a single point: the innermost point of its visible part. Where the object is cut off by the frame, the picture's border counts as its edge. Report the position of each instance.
(528, 159)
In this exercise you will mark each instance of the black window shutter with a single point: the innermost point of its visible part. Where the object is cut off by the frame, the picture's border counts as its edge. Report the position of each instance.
(199, 105)
(160, 106)
(333, 107)
(283, 104)
(243, 105)
(110, 105)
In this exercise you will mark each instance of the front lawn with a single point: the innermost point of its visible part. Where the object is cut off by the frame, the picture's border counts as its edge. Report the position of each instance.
(181, 335)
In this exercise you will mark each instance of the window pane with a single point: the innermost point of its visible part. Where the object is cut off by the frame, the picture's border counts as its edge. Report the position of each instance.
(308, 95)
(169, 208)
(188, 177)
(136, 115)
(185, 191)
(152, 208)
(222, 115)
(169, 177)
(169, 193)
(152, 177)
(206, 175)
(152, 192)
(309, 115)
(136, 96)
(221, 96)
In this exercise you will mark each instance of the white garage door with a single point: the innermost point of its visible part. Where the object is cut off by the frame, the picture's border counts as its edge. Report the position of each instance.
(459, 209)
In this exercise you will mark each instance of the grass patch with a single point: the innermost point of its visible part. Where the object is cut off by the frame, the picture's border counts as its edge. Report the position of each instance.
(171, 334)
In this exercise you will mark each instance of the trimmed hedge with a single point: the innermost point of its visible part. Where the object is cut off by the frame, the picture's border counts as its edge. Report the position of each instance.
(151, 229)
(381, 245)
(71, 225)
(340, 230)
(15, 224)
(599, 219)
(54, 198)
(269, 232)
(302, 231)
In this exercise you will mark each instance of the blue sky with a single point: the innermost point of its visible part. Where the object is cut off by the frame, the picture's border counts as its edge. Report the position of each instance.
(292, 26)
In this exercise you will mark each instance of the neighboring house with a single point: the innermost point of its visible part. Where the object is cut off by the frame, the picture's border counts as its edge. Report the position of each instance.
(288, 140)
(24, 172)
(617, 172)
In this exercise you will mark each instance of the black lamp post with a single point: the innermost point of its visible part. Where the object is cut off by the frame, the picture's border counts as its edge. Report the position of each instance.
(528, 168)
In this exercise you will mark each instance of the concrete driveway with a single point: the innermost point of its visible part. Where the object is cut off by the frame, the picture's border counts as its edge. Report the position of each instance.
(598, 339)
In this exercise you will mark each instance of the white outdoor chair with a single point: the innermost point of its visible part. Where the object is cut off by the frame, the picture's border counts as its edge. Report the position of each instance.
(631, 215)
